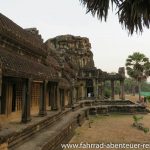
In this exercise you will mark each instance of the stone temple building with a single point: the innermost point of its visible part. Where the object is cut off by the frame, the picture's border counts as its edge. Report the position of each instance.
(38, 77)
(87, 81)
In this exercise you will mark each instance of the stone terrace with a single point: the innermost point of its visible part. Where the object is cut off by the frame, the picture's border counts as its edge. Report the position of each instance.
(58, 127)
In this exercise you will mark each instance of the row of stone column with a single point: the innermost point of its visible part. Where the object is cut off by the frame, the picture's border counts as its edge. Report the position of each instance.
(42, 104)
(100, 91)
(122, 93)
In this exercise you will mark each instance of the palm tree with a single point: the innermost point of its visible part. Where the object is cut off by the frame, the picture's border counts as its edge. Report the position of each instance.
(138, 68)
(132, 14)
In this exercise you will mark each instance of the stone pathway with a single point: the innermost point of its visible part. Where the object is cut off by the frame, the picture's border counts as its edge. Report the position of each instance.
(16, 124)
(41, 137)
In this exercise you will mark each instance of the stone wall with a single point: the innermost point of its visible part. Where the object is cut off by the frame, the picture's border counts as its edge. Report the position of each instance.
(64, 135)
(75, 49)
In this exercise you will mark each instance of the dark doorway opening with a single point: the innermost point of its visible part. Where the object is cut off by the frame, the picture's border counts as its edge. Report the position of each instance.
(90, 92)
(90, 88)
(3, 99)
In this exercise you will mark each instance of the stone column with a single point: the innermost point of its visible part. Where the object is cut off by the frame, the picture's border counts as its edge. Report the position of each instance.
(112, 90)
(58, 101)
(74, 95)
(96, 89)
(49, 95)
(54, 107)
(122, 94)
(42, 106)
(71, 97)
(63, 100)
(0, 89)
(52, 96)
(102, 89)
(26, 101)
(82, 92)
(77, 98)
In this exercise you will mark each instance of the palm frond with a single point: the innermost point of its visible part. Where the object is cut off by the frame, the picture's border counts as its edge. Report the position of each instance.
(134, 15)
(138, 66)
(99, 7)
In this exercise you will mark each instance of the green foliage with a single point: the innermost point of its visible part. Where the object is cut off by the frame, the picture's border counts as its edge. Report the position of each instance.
(132, 14)
(91, 120)
(148, 98)
(107, 93)
(138, 66)
(107, 90)
(137, 118)
(139, 125)
(130, 86)
(146, 130)
(145, 87)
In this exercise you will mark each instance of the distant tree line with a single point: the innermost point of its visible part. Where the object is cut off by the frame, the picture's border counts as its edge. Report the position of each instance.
(130, 85)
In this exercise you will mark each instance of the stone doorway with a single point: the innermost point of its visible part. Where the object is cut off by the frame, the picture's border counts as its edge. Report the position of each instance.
(90, 92)
(90, 88)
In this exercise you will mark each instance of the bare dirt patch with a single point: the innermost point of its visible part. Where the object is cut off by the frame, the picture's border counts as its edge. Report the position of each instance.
(112, 129)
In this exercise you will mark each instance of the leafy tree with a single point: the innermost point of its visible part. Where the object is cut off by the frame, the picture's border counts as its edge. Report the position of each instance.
(138, 68)
(132, 14)
(145, 86)
(130, 86)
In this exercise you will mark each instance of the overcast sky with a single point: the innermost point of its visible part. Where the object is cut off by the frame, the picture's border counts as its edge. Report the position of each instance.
(111, 45)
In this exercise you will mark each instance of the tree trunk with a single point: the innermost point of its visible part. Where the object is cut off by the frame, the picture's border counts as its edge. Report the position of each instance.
(139, 88)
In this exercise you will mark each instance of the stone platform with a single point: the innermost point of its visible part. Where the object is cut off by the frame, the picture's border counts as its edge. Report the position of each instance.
(119, 109)
(47, 133)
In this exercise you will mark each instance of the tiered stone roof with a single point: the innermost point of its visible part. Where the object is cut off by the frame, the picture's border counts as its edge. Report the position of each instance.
(66, 53)
(20, 66)
(20, 36)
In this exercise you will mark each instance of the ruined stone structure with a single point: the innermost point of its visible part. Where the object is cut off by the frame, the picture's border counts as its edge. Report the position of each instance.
(89, 81)
(41, 83)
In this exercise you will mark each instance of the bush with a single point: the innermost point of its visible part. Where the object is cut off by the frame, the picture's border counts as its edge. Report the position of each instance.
(139, 125)
(137, 118)
(107, 93)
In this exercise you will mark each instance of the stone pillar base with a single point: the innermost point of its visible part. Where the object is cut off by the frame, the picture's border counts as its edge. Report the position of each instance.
(42, 114)
(24, 120)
